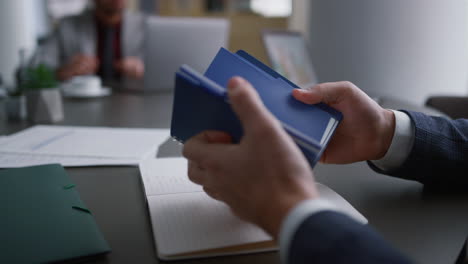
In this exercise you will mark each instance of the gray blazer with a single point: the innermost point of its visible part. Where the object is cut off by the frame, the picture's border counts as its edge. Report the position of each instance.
(77, 35)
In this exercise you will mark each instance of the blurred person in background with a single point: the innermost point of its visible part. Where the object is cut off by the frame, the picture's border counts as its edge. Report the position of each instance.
(104, 40)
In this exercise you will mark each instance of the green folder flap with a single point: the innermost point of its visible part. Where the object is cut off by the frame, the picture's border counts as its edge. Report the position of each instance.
(43, 218)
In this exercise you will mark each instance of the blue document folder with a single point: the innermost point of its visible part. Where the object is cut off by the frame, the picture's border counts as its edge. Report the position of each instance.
(200, 103)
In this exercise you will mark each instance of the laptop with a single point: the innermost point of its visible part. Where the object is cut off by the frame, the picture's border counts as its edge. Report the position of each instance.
(290, 56)
(173, 41)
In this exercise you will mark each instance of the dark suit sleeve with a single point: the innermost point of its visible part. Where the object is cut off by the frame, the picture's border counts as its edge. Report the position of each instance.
(440, 152)
(332, 237)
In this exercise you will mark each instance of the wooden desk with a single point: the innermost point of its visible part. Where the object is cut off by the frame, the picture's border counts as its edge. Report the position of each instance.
(427, 227)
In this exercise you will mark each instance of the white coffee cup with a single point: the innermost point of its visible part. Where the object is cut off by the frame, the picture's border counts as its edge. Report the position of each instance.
(85, 84)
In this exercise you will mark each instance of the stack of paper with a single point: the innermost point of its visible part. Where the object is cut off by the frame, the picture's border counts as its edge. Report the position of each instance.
(187, 223)
(79, 146)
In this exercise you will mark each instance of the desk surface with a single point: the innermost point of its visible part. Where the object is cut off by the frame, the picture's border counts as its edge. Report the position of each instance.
(429, 228)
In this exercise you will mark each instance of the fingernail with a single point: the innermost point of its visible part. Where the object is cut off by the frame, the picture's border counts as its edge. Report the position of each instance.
(298, 90)
(233, 89)
(236, 82)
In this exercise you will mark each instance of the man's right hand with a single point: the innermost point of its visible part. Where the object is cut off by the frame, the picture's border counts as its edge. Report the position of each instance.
(366, 131)
(78, 65)
(263, 176)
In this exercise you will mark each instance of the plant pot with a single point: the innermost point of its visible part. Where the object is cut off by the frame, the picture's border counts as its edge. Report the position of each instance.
(44, 106)
(15, 108)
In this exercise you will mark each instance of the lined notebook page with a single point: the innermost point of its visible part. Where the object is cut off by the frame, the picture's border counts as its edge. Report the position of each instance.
(166, 176)
(186, 220)
(193, 222)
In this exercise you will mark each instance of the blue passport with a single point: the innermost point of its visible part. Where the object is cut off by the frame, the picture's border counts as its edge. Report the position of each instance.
(201, 103)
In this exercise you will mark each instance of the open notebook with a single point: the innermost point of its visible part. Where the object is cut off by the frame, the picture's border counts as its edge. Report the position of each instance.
(187, 223)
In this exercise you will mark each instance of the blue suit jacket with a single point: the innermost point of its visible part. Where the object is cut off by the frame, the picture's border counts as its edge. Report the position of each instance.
(332, 237)
(439, 155)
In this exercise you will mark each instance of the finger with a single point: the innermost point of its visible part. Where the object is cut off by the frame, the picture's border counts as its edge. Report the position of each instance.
(206, 146)
(89, 58)
(118, 65)
(247, 104)
(134, 71)
(323, 158)
(139, 69)
(86, 68)
(89, 62)
(196, 173)
(328, 93)
(76, 59)
(97, 62)
(307, 96)
(82, 59)
(94, 62)
(212, 193)
(87, 65)
(81, 68)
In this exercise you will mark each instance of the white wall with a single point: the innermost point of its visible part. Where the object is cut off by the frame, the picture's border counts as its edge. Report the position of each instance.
(408, 49)
(16, 31)
(40, 19)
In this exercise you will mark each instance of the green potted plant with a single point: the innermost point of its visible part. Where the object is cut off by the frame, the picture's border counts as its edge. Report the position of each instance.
(43, 98)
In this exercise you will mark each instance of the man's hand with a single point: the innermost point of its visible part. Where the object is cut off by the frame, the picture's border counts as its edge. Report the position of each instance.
(131, 67)
(78, 65)
(366, 130)
(262, 177)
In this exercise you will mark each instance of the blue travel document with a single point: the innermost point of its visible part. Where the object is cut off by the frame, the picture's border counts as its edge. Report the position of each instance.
(201, 103)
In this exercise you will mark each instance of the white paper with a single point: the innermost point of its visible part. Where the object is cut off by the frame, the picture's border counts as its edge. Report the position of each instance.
(166, 176)
(191, 222)
(86, 141)
(80, 146)
(16, 160)
(3, 139)
(185, 219)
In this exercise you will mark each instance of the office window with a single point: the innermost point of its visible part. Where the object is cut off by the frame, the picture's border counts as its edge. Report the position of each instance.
(272, 8)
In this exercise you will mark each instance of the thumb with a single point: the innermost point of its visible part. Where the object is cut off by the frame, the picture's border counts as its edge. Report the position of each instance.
(328, 93)
(247, 104)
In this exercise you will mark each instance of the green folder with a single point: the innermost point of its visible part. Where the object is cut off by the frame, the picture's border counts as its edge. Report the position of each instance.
(43, 219)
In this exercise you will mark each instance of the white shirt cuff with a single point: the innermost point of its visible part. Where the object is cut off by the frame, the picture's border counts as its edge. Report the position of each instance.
(295, 217)
(401, 145)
